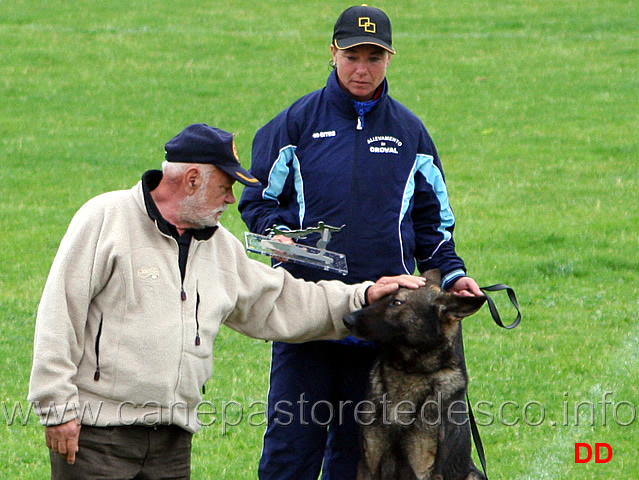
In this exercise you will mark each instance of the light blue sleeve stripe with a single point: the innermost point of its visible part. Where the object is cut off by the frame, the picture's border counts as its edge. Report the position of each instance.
(447, 281)
(409, 191)
(277, 175)
(277, 178)
(425, 165)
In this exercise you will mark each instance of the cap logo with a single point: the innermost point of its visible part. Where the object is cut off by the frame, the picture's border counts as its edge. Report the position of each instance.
(367, 25)
(237, 157)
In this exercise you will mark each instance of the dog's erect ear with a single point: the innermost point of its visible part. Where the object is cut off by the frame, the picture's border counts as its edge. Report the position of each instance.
(433, 276)
(456, 307)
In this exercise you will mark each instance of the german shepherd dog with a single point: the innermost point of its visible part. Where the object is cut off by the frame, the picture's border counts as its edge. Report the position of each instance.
(415, 425)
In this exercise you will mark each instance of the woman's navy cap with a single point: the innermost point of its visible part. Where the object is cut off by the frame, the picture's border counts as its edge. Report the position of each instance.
(199, 143)
(363, 25)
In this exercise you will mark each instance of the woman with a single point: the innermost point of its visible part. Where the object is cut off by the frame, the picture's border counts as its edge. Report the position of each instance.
(347, 154)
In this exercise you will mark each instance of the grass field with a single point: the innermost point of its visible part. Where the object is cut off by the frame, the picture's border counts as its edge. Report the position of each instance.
(534, 107)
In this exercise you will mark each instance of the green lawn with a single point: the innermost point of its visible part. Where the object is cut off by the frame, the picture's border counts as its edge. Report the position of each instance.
(534, 107)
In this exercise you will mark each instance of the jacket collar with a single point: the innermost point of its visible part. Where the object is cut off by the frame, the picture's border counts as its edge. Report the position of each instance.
(150, 181)
(344, 102)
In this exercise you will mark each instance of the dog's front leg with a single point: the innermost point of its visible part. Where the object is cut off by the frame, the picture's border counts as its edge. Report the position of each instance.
(363, 473)
(421, 450)
(374, 446)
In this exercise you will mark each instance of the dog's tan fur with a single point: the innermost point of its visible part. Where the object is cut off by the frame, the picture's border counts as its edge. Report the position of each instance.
(419, 374)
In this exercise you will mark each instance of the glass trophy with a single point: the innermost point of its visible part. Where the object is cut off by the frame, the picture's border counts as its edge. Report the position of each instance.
(316, 257)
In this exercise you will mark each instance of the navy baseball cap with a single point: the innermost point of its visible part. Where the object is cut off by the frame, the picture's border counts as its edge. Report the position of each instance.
(363, 25)
(199, 143)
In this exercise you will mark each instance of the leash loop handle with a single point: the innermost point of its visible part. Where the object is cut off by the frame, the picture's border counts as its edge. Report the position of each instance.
(493, 308)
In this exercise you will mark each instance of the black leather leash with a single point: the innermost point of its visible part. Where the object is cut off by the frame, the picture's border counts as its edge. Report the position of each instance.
(497, 318)
(493, 309)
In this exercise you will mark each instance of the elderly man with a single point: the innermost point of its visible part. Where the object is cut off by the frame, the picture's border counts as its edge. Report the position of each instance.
(137, 292)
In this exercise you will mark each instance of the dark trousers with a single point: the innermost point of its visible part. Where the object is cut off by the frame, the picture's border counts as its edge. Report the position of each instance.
(126, 453)
(314, 388)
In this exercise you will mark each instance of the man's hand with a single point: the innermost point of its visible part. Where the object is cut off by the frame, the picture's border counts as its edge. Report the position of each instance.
(466, 287)
(63, 439)
(387, 285)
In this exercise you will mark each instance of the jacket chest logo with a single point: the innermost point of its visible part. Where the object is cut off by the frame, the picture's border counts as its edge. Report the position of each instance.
(150, 272)
(384, 144)
(326, 134)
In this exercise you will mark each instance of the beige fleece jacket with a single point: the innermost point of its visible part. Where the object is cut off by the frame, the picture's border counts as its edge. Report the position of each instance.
(115, 340)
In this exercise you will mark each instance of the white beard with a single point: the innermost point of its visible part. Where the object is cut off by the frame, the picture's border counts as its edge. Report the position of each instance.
(194, 212)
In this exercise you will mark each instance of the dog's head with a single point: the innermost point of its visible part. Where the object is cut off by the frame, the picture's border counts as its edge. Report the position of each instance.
(415, 317)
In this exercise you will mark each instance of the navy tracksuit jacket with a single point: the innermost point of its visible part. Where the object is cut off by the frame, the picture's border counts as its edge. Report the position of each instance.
(373, 168)
(379, 175)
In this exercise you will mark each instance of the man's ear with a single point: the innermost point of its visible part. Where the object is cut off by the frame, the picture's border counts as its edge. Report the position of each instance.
(192, 179)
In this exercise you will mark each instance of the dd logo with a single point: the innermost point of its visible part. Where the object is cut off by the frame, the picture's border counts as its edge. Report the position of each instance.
(598, 447)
